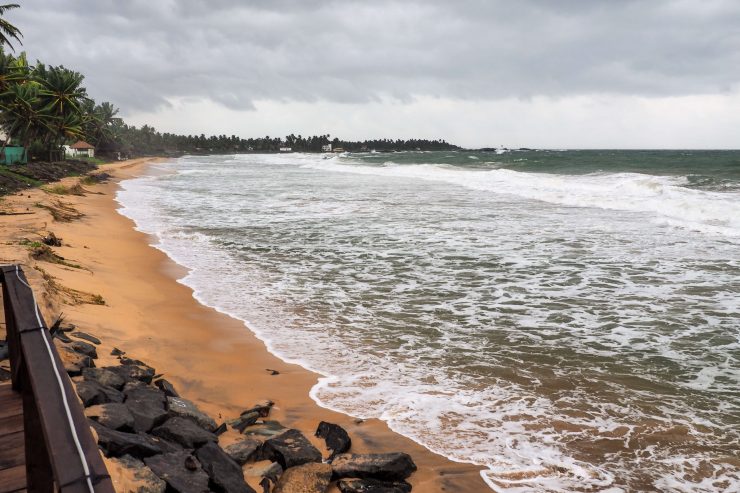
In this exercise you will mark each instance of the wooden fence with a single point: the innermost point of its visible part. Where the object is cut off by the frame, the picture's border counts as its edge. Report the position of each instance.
(61, 453)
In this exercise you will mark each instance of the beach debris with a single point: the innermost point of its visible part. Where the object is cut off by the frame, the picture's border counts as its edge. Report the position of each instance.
(147, 405)
(220, 430)
(183, 408)
(51, 240)
(336, 438)
(86, 336)
(272, 372)
(95, 178)
(372, 486)
(185, 432)
(92, 393)
(244, 450)
(133, 372)
(290, 448)
(394, 466)
(166, 387)
(225, 474)
(131, 474)
(171, 468)
(113, 415)
(61, 212)
(104, 377)
(117, 352)
(359, 421)
(117, 443)
(306, 478)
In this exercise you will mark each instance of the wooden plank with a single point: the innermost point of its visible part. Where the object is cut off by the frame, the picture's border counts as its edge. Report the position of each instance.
(11, 403)
(13, 479)
(12, 452)
(11, 424)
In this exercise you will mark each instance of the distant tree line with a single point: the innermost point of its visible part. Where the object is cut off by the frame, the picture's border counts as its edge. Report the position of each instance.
(44, 107)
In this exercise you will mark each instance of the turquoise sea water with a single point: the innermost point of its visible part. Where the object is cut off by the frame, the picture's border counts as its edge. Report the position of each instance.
(569, 319)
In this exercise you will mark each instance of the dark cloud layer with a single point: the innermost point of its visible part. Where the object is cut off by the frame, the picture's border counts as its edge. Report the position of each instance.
(138, 53)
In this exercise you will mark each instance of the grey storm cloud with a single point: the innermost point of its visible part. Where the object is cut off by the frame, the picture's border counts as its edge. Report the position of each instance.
(138, 54)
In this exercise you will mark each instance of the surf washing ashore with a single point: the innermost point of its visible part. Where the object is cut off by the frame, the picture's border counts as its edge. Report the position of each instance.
(569, 320)
(210, 357)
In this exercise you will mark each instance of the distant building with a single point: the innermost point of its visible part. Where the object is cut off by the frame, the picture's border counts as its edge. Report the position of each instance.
(286, 149)
(326, 148)
(338, 149)
(80, 149)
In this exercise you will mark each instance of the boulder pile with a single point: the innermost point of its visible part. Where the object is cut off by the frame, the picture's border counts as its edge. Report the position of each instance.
(162, 442)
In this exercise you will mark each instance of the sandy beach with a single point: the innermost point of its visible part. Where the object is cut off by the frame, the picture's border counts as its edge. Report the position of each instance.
(211, 358)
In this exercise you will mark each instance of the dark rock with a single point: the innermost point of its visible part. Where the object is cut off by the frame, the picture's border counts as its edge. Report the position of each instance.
(184, 432)
(135, 362)
(166, 387)
(112, 415)
(265, 483)
(220, 430)
(289, 449)
(225, 474)
(87, 337)
(132, 475)
(372, 486)
(387, 467)
(244, 421)
(263, 409)
(183, 408)
(244, 450)
(133, 372)
(83, 348)
(271, 471)
(73, 361)
(336, 438)
(272, 372)
(265, 429)
(171, 468)
(306, 478)
(51, 240)
(104, 377)
(92, 393)
(191, 464)
(62, 337)
(117, 352)
(146, 404)
(118, 443)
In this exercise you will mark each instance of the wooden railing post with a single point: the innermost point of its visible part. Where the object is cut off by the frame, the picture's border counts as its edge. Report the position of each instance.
(61, 454)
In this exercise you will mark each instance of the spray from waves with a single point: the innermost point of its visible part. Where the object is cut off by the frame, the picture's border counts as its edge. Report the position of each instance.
(665, 197)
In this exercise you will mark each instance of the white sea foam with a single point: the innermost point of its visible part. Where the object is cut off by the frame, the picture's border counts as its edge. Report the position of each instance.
(663, 196)
(287, 244)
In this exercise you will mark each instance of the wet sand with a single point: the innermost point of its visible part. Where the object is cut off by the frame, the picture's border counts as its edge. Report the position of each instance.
(211, 358)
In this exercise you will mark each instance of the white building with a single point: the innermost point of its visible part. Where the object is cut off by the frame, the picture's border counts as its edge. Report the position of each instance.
(326, 148)
(80, 149)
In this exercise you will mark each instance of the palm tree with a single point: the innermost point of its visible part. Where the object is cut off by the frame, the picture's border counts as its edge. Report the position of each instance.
(8, 30)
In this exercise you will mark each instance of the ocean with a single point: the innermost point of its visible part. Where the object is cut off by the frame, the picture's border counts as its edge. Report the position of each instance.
(568, 319)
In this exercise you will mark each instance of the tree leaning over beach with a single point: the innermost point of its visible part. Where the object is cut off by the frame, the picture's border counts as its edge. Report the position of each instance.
(8, 30)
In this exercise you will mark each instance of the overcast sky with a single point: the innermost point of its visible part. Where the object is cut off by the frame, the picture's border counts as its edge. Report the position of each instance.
(535, 73)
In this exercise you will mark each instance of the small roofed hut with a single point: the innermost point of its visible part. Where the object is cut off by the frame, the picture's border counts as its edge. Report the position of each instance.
(81, 149)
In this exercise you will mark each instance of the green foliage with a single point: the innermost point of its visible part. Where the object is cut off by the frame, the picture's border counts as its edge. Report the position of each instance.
(8, 30)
